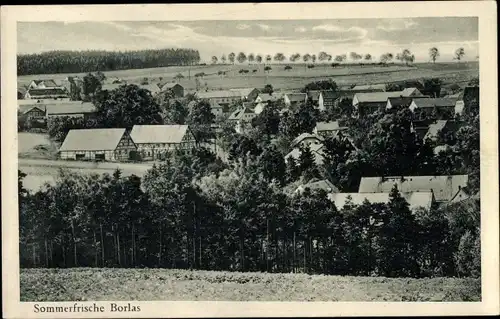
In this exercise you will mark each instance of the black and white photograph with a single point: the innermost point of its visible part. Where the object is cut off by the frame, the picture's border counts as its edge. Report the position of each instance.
(271, 160)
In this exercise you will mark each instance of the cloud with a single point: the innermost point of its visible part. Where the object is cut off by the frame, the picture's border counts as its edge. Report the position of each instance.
(344, 34)
(396, 25)
(242, 26)
(300, 29)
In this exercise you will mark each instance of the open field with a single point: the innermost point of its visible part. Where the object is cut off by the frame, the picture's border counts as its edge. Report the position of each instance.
(98, 284)
(296, 78)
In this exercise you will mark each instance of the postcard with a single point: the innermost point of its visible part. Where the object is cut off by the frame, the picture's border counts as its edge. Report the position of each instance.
(250, 160)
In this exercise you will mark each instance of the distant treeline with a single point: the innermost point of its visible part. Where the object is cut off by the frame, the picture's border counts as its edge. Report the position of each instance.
(88, 61)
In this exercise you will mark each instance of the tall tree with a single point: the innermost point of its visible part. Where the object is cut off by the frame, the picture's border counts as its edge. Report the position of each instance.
(406, 57)
(368, 57)
(434, 54)
(258, 58)
(279, 57)
(200, 119)
(251, 58)
(268, 58)
(214, 60)
(223, 59)
(241, 57)
(459, 54)
(231, 57)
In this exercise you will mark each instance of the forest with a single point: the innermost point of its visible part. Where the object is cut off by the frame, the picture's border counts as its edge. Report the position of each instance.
(53, 62)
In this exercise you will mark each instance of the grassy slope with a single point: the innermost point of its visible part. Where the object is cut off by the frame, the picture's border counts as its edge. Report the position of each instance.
(296, 78)
(161, 284)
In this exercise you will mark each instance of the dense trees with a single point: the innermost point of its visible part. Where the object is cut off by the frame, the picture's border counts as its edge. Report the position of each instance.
(434, 54)
(88, 61)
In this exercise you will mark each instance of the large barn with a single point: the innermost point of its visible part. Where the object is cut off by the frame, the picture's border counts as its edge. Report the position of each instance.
(107, 144)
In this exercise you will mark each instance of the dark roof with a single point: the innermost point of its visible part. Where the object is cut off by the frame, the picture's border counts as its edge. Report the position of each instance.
(27, 108)
(71, 108)
(296, 97)
(169, 85)
(47, 82)
(434, 102)
(329, 94)
(313, 95)
(45, 92)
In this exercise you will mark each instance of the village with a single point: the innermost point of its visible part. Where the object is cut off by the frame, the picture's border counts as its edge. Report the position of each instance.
(45, 100)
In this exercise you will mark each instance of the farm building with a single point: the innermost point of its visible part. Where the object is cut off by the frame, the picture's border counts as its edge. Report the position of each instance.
(366, 103)
(52, 93)
(153, 141)
(175, 88)
(324, 184)
(248, 94)
(469, 96)
(444, 187)
(439, 126)
(327, 99)
(367, 88)
(262, 99)
(153, 88)
(70, 109)
(108, 144)
(416, 200)
(398, 103)
(226, 97)
(412, 92)
(328, 128)
(438, 108)
(294, 99)
(43, 84)
(32, 112)
(216, 108)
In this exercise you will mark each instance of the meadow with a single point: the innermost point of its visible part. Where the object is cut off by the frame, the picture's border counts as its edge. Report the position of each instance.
(280, 78)
(104, 284)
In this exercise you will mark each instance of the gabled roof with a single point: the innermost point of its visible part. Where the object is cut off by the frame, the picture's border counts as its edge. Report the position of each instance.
(316, 150)
(270, 97)
(23, 109)
(111, 86)
(238, 114)
(245, 91)
(398, 102)
(218, 94)
(102, 139)
(143, 134)
(303, 136)
(414, 199)
(329, 126)
(47, 82)
(434, 129)
(410, 92)
(296, 97)
(153, 88)
(434, 102)
(374, 97)
(215, 105)
(70, 108)
(169, 85)
(44, 92)
(322, 184)
(444, 187)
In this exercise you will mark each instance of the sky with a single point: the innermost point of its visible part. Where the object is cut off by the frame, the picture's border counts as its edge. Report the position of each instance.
(217, 37)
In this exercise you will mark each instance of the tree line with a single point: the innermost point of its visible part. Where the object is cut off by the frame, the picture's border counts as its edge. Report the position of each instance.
(89, 61)
(195, 212)
(404, 56)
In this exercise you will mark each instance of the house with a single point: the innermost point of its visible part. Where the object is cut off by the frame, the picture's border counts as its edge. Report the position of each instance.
(324, 184)
(262, 99)
(73, 85)
(108, 144)
(51, 93)
(70, 109)
(248, 94)
(366, 103)
(327, 99)
(226, 97)
(366, 88)
(175, 88)
(44, 84)
(154, 141)
(307, 139)
(294, 99)
(415, 200)
(438, 108)
(316, 149)
(328, 128)
(444, 187)
(242, 118)
(111, 86)
(32, 112)
(460, 196)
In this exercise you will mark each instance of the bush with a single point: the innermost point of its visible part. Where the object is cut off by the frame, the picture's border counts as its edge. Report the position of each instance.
(334, 65)
(288, 67)
(468, 255)
(254, 71)
(310, 66)
(268, 68)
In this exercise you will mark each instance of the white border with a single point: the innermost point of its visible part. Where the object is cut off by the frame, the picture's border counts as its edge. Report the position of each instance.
(485, 10)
